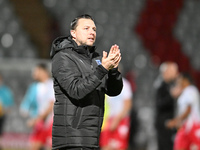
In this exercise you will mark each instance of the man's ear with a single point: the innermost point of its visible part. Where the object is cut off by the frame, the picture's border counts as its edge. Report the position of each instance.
(73, 33)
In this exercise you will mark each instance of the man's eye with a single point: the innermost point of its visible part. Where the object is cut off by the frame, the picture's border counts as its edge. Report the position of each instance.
(86, 28)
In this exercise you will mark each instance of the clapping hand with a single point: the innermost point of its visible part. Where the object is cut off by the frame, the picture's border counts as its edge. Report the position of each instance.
(111, 60)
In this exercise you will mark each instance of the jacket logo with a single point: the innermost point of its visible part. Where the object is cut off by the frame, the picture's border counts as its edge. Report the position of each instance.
(98, 62)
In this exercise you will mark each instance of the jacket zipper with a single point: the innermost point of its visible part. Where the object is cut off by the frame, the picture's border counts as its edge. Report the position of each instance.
(91, 64)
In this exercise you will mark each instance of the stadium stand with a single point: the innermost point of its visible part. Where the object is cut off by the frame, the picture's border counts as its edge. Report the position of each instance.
(187, 31)
(156, 29)
(14, 41)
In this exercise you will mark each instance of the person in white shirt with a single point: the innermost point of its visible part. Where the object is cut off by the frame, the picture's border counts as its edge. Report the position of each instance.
(188, 118)
(115, 133)
(38, 104)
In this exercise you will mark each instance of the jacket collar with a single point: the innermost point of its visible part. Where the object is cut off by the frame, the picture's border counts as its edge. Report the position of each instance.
(61, 43)
(83, 49)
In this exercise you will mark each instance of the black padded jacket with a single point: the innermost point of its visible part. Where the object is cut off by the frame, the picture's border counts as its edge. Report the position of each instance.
(80, 84)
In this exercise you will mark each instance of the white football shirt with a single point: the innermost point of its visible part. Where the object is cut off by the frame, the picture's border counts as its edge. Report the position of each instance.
(190, 97)
(115, 104)
(45, 95)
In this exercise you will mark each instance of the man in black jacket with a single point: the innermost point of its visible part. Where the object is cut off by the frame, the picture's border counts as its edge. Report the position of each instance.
(81, 79)
(165, 105)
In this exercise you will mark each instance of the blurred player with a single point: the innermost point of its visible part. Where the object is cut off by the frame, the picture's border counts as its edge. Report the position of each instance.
(115, 134)
(165, 104)
(38, 103)
(6, 101)
(188, 119)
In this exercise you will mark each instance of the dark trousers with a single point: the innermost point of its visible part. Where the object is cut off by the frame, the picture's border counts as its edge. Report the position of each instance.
(165, 139)
(2, 120)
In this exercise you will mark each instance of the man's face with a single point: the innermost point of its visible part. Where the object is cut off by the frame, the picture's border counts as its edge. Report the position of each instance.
(36, 73)
(170, 73)
(85, 32)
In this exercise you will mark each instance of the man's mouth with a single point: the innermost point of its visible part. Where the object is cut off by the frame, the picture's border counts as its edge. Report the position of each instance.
(91, 39)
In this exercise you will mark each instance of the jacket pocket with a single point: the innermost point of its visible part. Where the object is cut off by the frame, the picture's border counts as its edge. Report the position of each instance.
(77, 118)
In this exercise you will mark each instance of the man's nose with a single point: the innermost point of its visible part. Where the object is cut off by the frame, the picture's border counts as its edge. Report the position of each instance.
(92, 32)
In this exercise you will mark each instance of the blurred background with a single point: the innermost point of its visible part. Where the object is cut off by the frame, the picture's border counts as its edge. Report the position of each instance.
(148, 32)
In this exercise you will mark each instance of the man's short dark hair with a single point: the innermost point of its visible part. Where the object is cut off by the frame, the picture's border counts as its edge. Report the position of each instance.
(188, 77)
(74, 23)
(43, 66)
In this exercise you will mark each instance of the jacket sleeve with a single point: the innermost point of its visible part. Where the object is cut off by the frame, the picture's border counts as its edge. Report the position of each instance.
(114, 82)
(70, 79)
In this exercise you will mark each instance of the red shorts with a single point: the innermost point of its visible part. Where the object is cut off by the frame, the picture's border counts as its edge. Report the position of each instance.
(188, 139)
(118, 139)
(42, 133)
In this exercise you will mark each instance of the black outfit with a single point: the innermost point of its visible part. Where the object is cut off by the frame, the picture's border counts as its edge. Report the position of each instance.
(80, 84)
(164, 112)
(2, 121)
